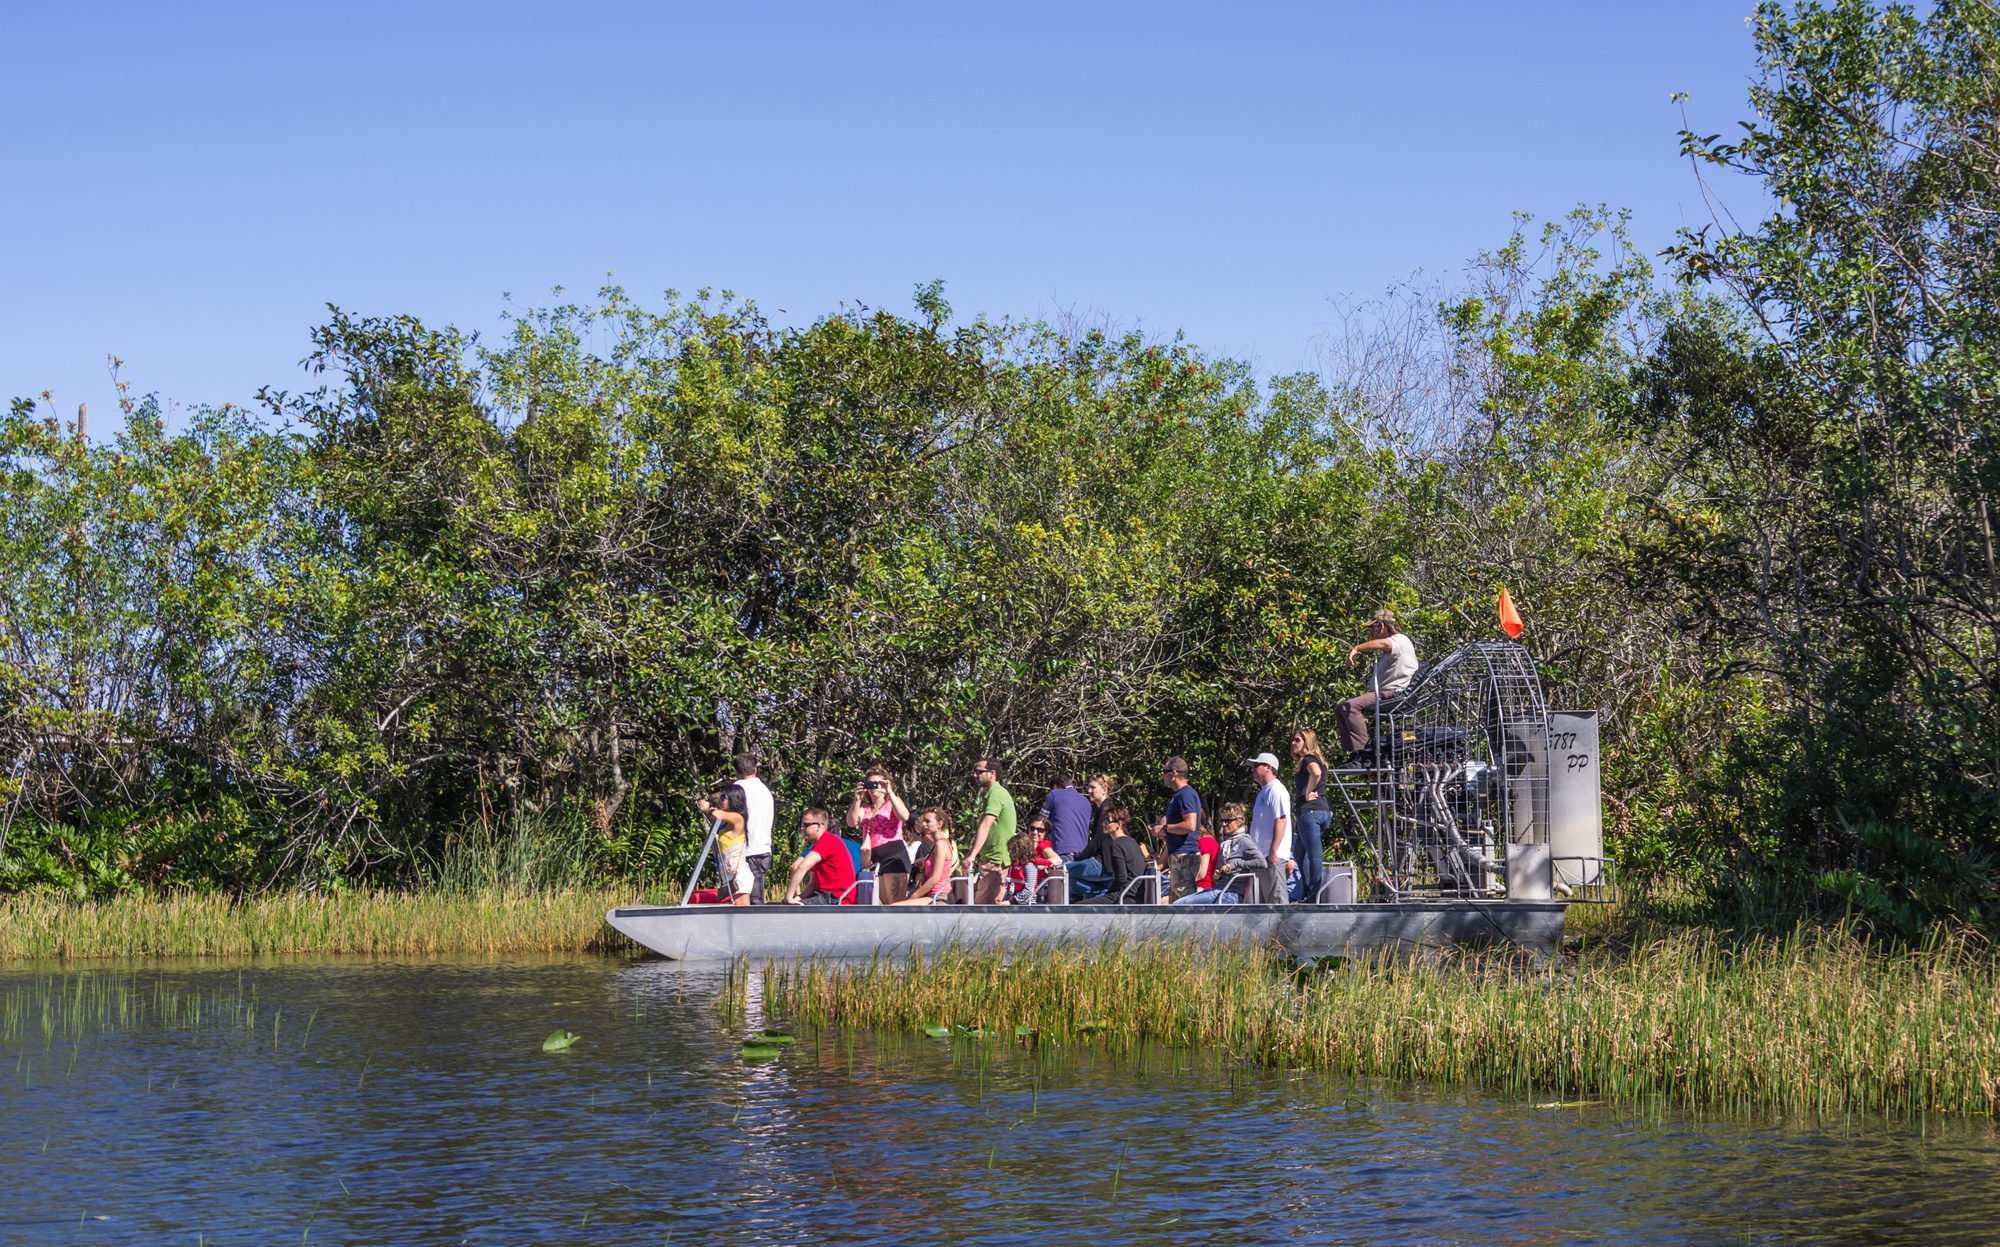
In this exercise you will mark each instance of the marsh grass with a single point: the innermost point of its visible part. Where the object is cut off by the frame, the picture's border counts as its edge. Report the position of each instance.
(1817, 1020)
(68, 1008)
(395, 923)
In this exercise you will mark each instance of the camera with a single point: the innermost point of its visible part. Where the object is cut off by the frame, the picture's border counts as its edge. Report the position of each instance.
(871, 784)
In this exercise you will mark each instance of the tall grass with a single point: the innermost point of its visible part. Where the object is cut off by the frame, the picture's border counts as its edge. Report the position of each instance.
(209, 925)
(1815, 1021)
(72, 1007)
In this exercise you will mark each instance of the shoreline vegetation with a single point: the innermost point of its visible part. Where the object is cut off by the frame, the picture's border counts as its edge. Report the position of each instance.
(1634, 1010)
(188, 924)
(1817, 1021)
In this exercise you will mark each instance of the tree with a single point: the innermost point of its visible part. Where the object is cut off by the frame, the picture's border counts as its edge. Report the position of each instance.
(1831, 521)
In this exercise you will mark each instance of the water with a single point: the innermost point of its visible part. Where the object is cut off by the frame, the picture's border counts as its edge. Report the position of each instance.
(421, 1109)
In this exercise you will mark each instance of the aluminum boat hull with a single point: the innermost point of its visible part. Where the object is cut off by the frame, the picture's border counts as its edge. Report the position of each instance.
(1308, 932)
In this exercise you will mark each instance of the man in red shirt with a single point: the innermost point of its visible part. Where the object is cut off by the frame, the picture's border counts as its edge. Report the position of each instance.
(827, 858)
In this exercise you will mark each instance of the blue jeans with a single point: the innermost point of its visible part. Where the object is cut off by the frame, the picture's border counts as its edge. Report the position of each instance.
(1214, 896)
(1308, 852)
(1087, 878)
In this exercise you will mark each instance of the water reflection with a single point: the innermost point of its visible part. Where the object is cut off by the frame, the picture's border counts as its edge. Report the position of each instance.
(421, 1109)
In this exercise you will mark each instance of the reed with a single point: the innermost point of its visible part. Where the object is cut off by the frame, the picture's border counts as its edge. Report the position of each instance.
(399, 923)
(1816, 1020)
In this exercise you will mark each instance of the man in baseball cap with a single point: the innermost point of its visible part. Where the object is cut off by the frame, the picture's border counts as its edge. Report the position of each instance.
(1271, 824)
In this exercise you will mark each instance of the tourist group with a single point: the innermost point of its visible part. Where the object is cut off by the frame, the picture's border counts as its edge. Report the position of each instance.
(1080, 848)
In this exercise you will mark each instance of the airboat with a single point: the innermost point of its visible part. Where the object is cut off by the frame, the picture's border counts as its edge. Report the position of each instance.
(1479, 816)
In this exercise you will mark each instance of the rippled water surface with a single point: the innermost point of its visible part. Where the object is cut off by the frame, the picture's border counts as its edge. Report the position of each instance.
(375, 1102)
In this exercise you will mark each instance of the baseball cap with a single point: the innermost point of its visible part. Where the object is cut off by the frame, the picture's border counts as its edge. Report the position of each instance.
(1266, 759)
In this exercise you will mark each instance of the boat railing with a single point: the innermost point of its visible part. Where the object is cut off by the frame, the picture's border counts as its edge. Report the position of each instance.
(1338, 885)
(1042, 879)
(1585, 880)
(687, 893)
(1152, 896)
(1253, 886)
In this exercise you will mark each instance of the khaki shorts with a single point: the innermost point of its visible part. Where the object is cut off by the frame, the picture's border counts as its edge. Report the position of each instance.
(735, 872)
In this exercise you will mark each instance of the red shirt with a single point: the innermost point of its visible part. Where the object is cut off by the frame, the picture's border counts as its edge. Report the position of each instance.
(835, 872)
(1213, 851)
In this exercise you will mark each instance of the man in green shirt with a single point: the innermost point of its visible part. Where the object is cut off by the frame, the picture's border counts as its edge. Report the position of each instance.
(996, 828)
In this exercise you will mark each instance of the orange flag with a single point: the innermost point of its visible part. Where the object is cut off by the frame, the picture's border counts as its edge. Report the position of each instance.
(1510, 619)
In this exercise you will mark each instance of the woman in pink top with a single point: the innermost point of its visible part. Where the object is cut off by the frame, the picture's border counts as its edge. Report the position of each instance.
(942, 861)
(878, 813)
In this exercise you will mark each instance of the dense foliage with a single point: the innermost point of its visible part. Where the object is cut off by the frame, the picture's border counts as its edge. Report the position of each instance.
(470, 612)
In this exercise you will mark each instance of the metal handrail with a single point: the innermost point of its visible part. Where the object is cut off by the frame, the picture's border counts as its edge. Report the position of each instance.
(1134, 882)
(699, 862)
(1255, 889)
(1599, 891)
(1040, 877)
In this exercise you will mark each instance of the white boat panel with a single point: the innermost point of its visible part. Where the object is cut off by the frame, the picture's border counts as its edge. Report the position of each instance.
(724, 932)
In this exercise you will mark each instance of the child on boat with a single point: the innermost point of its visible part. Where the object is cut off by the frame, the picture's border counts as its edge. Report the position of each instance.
(1031, 847)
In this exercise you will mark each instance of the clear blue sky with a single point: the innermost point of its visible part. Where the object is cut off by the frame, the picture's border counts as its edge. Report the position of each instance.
(188, 186)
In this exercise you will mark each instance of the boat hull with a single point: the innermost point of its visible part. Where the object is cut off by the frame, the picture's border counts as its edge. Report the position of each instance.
(1308, 932)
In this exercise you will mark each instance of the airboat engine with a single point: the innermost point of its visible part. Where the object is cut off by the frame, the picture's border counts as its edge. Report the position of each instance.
(1478, 791)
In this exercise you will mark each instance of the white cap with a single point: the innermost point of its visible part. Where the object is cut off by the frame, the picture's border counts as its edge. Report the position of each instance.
(1263, 759)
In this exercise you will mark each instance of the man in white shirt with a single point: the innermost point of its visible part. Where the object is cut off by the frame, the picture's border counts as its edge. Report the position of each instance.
(1271, 826)
(1395, 663)
(761, 809)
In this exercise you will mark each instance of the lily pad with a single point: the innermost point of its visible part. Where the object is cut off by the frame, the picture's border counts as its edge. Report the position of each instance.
(1091, 1028)
(936, 1031)
(775, 1031)
(759, 1052)
(1023, 1031)
(768, 1037)
(559, 1041)
(975, 1032)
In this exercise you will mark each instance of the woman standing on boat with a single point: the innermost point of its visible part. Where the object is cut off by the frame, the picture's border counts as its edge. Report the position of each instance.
(940, 861)
(731, 814)
(1309, 799)
(878, 813)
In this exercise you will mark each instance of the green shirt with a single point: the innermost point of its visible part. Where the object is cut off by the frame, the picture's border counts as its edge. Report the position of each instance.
(1000, 804)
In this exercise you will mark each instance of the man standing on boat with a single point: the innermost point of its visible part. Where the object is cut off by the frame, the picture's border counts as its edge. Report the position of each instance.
(1271, 825)
(1069, 814)
(757, 835)
(996, 828)
(1395, 664)
(1180, 826)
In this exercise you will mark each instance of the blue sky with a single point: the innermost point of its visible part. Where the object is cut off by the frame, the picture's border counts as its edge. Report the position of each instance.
(188, 186)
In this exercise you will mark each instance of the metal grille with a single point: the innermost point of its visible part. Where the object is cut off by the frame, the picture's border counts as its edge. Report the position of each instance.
(1460, 771)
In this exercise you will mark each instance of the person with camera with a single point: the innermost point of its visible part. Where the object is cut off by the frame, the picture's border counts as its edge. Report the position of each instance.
(878, 813)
